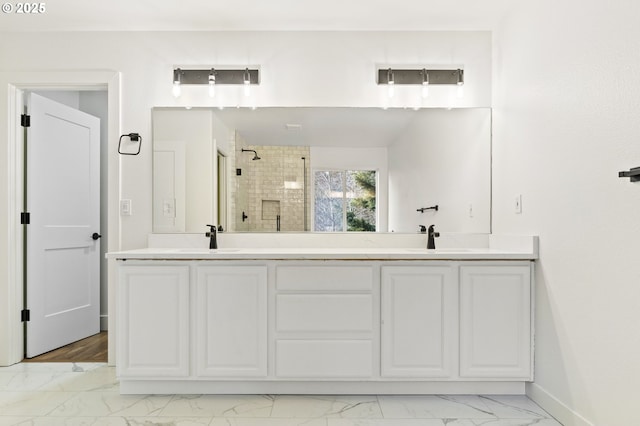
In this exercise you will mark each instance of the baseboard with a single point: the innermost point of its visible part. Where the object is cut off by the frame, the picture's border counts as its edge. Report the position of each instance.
(303, 387)
(104, 322)
(555, 407)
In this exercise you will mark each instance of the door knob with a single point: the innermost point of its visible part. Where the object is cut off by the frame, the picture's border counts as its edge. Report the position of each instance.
(95, 236)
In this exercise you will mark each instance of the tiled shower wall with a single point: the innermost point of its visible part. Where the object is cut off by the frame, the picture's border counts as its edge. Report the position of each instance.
(271, 186)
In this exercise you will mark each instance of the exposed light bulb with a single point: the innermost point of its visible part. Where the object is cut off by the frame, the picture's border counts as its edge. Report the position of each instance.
(390, 83)
(212, 83)
(247, 83)
(460, 88)
(177, 77)
(460, 77)
(425, 83)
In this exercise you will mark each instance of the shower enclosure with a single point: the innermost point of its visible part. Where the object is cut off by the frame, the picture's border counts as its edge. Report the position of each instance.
(270, 189)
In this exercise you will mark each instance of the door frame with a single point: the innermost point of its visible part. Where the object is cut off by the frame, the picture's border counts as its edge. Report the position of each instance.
(12, 85)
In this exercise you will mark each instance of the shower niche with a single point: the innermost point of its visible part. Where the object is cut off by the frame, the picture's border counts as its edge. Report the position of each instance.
(270, 193)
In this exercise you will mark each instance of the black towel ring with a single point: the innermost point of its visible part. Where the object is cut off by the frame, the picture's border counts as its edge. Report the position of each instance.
(133, 137)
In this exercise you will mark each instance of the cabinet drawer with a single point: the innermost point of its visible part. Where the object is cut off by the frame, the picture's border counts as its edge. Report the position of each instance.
(324, 312)
(324, 358)
(318, 278)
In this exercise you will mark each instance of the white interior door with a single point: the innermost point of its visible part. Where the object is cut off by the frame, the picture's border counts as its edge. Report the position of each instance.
(63, 199)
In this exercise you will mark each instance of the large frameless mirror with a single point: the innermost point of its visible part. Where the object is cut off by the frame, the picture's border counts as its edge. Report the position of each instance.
(321, 169)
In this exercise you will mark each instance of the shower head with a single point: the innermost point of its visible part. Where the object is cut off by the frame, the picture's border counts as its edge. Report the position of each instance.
(255, 154)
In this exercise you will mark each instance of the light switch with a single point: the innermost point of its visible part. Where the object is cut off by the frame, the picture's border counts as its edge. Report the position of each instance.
(125, 208)
(518, 204)
(470, 210)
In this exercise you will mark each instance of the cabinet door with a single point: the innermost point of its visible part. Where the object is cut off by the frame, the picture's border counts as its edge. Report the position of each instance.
(153, 321)
(419, 307)
(495, 321)
(231, 321)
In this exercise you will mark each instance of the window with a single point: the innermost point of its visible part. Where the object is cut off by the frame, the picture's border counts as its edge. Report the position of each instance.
(345, 200)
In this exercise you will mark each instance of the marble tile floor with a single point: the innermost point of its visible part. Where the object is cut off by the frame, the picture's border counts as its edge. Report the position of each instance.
(74, 394)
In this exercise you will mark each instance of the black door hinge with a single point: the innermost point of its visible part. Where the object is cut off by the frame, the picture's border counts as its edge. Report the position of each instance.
(25, 218)
(25, 315)
(25, 120)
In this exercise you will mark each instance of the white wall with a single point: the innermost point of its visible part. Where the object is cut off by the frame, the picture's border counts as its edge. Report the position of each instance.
(566, 120)
(442, 158)
(193, 128)
(224, 142)
(327, 158)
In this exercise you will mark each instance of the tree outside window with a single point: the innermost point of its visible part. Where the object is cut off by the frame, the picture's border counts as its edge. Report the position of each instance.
(345, 200)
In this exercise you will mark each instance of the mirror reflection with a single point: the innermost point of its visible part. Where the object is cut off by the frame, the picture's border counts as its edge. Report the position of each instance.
(321, 169)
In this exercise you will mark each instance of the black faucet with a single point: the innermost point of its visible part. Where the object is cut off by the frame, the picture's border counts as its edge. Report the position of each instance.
(431, 239)
(212, 234)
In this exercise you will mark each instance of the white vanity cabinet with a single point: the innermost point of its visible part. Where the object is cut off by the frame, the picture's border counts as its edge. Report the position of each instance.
(495, 322)
(231, 321)
(419, 321)
(324, 326)
(153, 321)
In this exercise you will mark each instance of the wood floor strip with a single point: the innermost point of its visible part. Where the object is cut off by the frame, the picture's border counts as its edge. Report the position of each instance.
(91, 349)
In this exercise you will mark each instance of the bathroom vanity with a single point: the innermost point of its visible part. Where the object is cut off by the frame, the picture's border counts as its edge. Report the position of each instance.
(324, 320)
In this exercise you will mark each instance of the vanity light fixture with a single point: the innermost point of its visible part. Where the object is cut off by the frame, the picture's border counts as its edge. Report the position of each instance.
(421, 77)
(214, 77)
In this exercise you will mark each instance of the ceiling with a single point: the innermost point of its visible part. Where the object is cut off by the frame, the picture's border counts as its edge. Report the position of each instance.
(261, 15)
(317, 126)
(352, 127)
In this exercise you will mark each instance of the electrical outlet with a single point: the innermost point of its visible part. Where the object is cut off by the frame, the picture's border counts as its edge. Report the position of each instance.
(125, 208)
(518, 204)
(470, 210)
(169, 208)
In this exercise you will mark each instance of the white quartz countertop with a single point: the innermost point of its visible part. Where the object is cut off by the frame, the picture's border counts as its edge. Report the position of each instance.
(325, 254)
